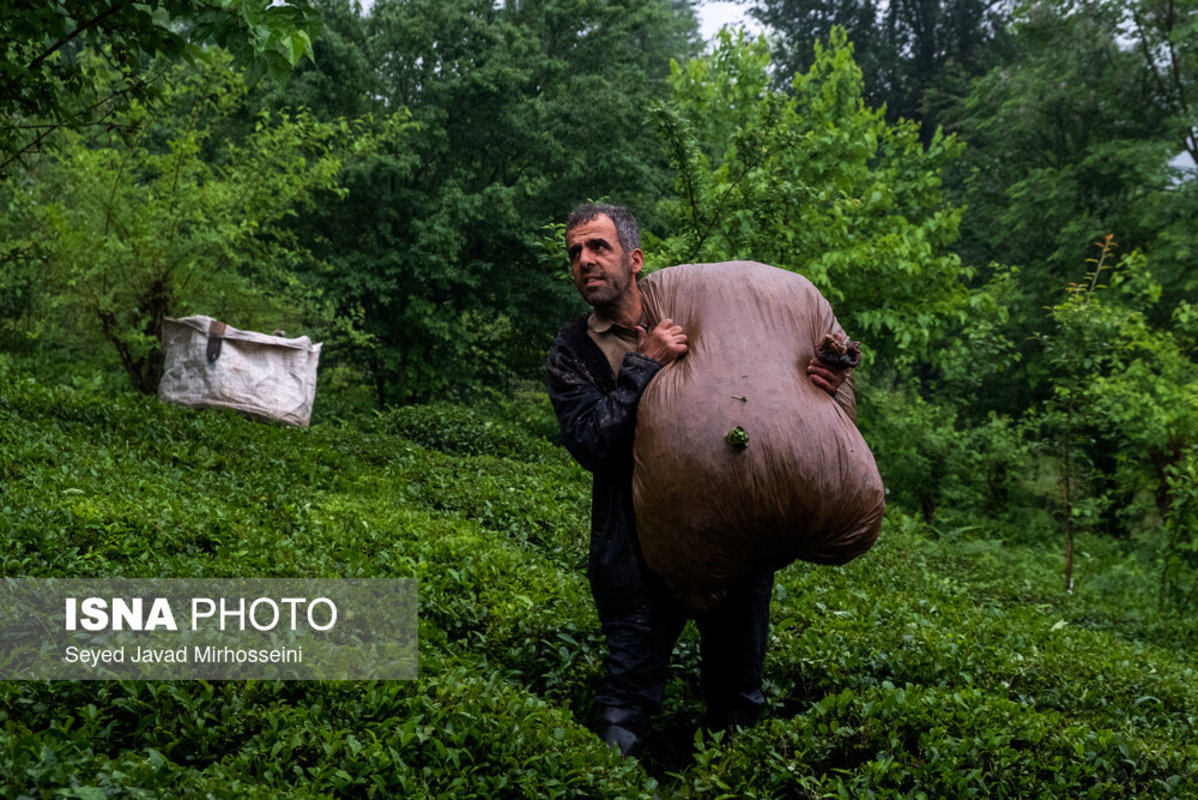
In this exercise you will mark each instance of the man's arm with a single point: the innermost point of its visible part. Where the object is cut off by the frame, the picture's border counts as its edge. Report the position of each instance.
(597, 427)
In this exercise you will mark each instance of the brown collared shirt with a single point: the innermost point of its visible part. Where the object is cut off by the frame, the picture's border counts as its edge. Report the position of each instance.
(614, 340)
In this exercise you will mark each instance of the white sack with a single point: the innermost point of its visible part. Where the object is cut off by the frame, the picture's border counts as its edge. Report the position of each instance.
(210, 364)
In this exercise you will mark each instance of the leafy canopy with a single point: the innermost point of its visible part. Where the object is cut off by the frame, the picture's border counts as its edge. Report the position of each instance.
(48, 82)
(176, 219)
(522, 110)
(816, 182)
(1125, 403)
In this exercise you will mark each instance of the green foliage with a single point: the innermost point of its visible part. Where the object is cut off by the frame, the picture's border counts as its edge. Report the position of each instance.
(945, 663)
(934, 667)
(522, 110)
(893, 741)
(906, 50)
(1075, 138)
(171, 218)
(952, 472)
(1180, 527)
(463, 431)
(457, 734)
(1065, 144)
(170, 501)
(1125, 401)
(817, 183)
(1167, 41)
(72, 64)
(974, 360)
(941, 670)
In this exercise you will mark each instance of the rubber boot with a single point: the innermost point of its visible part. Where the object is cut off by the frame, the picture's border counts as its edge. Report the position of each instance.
(622, 727)
(735, 713)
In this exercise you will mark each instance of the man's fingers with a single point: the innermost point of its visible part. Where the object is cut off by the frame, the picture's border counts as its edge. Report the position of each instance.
(665, 343)
(822, 384)
(827, 379)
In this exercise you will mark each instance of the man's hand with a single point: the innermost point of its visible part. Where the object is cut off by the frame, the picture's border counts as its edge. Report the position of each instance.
(824, 376)
(665, 343)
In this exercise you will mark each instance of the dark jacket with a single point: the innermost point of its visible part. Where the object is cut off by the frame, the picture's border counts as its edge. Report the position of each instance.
(597, 415)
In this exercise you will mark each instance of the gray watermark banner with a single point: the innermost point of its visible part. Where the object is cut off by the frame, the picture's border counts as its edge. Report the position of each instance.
(211, 629)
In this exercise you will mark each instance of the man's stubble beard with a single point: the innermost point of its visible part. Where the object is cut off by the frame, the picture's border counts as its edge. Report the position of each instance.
(606, 295)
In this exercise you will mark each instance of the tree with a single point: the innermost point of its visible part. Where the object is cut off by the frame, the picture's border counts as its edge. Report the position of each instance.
(1063, 144)
(1124, 406)
(162, 220)
(904, 48)
(1072, 140)
(816, 182)
(522, 109)
(47, 84)
(1165, 37)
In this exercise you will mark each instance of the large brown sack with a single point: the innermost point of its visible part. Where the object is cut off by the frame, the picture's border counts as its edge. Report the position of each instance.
(804, 487)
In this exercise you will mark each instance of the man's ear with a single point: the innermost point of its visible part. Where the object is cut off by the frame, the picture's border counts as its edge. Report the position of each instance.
(636, 259)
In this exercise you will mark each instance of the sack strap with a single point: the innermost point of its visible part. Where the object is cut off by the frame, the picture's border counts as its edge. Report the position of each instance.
(216, 329)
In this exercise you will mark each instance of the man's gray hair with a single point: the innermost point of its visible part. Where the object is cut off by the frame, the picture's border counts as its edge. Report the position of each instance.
(627, 228)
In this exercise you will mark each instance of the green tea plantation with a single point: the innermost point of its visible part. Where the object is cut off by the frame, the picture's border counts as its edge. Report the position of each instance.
(942, 664)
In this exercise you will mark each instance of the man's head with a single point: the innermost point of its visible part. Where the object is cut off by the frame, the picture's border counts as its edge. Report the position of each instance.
(603, 243)
(627, 227)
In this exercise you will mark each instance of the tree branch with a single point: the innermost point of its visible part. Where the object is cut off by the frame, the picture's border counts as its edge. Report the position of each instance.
(50, 128)
(37, 62)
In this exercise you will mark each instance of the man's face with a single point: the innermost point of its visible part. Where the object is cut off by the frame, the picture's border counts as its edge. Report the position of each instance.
(602, 271)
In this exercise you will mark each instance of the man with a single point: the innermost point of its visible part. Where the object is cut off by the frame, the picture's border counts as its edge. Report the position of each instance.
(598, 368)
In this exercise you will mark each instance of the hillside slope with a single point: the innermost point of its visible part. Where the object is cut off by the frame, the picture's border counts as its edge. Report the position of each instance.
(927, 668)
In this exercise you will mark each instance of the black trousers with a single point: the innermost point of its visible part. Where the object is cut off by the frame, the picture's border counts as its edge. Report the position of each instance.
(641, 636)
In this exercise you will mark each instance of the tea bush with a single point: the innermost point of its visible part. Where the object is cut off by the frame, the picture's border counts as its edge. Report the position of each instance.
(934, 666)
